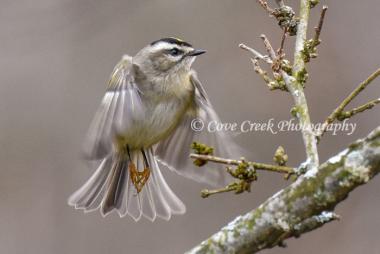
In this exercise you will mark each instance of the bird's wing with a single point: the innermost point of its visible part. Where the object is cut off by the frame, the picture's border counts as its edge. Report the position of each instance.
(174, 151)
(120, 104)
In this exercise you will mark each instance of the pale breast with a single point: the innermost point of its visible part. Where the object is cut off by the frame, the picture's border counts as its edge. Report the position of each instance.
(164, 109)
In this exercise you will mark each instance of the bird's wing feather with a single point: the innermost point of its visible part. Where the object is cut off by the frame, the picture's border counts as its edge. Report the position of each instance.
(174, 151)
(120, 105)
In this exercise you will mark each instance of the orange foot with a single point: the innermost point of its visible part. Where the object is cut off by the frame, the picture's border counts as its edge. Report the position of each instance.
(138, 178)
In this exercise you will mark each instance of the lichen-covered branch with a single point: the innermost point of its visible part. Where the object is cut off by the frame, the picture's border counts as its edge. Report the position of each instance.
(295, 84)
(313, 223)
(284, 215)
(302, 113)
(304, 13)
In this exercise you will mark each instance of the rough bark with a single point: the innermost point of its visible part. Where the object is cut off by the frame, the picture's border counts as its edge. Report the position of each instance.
(301, 207)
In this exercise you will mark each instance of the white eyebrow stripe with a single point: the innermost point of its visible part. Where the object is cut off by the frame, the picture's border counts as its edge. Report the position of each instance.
(165, 45)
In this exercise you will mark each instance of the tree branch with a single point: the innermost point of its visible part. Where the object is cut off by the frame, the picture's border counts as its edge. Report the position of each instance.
(293, 80)
(304, 14)
(295, 84)
(292, 210)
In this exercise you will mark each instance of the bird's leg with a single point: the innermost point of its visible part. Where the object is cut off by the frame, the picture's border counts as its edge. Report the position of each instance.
(146, 163)
(138, 178)
(146, 173)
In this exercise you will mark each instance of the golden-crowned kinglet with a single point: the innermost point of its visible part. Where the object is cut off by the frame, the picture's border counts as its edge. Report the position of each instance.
(153, 109)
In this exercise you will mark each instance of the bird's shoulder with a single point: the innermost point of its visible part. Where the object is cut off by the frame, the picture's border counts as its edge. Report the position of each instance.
(121, 70)
(125, 70)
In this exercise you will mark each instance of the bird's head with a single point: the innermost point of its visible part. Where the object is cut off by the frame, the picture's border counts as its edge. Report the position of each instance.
(166, 56)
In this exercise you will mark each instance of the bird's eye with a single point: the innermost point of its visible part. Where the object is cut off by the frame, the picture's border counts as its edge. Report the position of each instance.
(175, 52)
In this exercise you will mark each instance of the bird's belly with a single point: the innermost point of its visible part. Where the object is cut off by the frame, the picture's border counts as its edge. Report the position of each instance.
(158, 123)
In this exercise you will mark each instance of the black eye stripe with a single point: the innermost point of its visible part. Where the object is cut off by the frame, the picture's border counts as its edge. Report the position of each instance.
(175, 52)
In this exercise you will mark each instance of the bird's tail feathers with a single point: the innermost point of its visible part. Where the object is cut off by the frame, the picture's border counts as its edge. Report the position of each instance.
(111, 188)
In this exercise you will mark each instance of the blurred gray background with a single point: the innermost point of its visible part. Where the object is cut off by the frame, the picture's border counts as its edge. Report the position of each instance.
(55, 58)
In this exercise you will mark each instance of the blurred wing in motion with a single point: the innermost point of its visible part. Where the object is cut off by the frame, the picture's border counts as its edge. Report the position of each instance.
(174, 151)
(119, 107)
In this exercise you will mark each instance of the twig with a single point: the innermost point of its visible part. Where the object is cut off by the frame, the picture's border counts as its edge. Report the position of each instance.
(276, 59)
(274, 62)
(339, 110)
(297, 208)
(280, 51)
(268, 47)
(255, 53)
(257, 68)
(206, 193)
(314, 222)
(360, 88)
(237, 187)
(354, 111)
(264, 4)
(310, 47)
(307, 225)
(272, 84)
(318, 29)
(284, 15)
(255, 165)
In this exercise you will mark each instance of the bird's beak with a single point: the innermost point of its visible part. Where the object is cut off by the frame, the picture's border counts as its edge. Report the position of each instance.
(196, 52)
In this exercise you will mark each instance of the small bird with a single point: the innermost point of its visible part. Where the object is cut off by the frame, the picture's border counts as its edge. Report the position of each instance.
(152, 111)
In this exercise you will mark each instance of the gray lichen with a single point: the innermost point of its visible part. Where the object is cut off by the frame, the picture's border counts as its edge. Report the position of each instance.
(301, 207)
